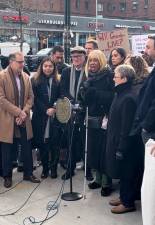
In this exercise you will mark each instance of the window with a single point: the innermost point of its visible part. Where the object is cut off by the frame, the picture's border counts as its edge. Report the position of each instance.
(87, 5)
(100, 7)
(135, 5)
(110, 7)
(146, 4)
(77, 4)
(122, 6)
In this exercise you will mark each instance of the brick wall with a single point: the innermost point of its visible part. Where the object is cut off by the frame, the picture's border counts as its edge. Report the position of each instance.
(112, 9)
(88, 8)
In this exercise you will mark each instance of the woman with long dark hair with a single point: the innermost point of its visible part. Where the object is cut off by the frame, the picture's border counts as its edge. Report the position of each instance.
(117, 57)
(45, 85)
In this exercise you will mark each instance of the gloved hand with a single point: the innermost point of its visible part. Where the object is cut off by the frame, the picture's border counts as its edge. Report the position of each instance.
(119, 155)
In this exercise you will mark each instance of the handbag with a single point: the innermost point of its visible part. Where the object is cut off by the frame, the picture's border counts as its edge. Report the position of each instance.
(94, 122)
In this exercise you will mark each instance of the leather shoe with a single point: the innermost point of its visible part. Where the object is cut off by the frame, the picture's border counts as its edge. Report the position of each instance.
(115, 202)
(120, 209)
(94, 185)
(7, 182)
(31, 178)
(67, 175)
(106, 191)
(44, 175)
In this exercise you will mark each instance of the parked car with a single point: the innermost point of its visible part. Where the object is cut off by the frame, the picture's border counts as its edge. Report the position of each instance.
(33, 61)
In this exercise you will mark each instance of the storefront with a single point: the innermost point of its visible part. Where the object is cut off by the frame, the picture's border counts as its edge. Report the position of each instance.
(46, 30)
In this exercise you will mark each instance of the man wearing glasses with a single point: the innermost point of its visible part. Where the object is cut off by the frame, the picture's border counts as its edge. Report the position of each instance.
(16, 99)
(70, 85)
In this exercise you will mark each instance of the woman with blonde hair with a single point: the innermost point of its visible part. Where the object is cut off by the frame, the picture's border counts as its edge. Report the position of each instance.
(98, 97)
(45, 85)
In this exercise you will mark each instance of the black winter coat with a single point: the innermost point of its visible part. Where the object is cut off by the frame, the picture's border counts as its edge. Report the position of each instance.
(98, 97)
(65, 83)
(41, 104)
(145, 115)
(120, 121)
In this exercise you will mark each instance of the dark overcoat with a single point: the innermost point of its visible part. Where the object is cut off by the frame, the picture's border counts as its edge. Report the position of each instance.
(121, 118)
(98, 98)
(41, 104)
(145, 118)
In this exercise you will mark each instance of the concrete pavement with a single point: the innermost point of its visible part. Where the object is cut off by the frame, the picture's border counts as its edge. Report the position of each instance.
(94, 210)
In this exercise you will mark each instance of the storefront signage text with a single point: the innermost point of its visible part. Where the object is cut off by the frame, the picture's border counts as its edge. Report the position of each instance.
(56, 22)
(16, 19)
(127, 26)
(94, 24)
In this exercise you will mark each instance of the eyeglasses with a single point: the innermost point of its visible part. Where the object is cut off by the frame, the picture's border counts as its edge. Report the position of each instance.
(76, 56)
(20, 62)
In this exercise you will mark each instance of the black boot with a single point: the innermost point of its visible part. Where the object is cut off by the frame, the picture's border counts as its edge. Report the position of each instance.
(89, 175)
(54, 172)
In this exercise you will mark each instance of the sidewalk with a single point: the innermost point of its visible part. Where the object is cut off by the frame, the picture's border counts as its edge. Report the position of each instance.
(94, 210)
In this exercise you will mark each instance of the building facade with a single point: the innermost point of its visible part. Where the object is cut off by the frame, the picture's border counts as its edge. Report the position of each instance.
(138, 9)
(43, 20)
(134, 9)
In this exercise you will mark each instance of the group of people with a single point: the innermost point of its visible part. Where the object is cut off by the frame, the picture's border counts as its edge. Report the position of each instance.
(119, 96)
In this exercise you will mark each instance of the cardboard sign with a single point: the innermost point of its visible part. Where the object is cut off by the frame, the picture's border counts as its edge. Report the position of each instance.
(110, 40)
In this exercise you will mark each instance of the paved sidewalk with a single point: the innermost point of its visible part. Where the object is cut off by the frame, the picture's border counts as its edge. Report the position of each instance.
(94, 210)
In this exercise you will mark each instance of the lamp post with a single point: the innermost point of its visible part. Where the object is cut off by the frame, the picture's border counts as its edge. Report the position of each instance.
(66, 33)
(96, 23)
(21, 29)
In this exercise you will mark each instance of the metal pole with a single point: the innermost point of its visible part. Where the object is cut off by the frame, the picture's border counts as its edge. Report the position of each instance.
(96, 27)
(21, 30)
(67, 31)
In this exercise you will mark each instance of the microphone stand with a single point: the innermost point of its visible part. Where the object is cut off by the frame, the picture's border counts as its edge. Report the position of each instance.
(71, 196)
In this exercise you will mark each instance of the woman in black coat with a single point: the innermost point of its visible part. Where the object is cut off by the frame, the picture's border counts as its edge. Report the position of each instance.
(98, 97)
(45, 126)
(121, 159)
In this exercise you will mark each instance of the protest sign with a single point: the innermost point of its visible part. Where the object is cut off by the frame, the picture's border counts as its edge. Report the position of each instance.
(113, 39)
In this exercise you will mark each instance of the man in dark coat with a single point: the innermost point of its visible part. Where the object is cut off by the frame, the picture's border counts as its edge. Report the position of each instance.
(145, 115)
(69, 87)
(145, 122)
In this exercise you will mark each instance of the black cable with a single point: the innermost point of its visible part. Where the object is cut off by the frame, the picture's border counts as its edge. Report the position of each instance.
(49, 207)
(11, 188)
(54, 206)
(22, 206)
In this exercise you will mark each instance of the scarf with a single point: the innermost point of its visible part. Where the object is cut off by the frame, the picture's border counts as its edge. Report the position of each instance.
(72, 82)
(19, 94)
